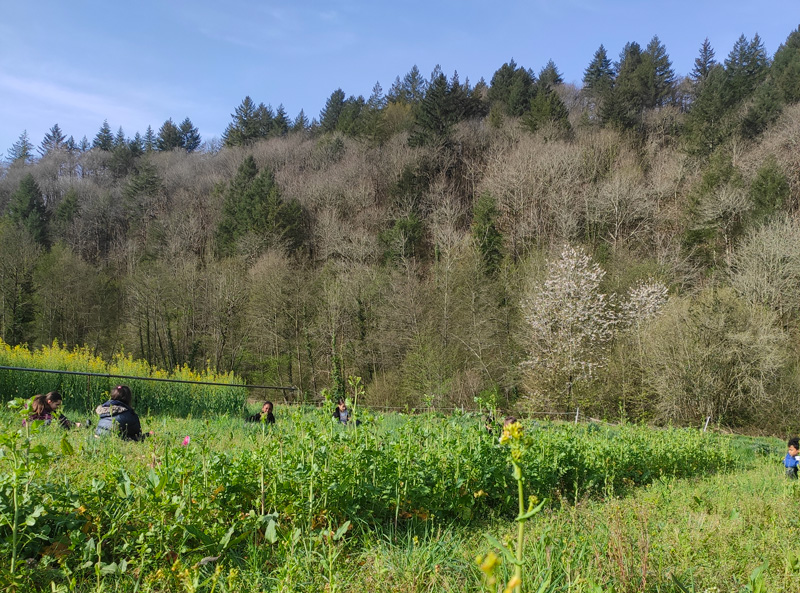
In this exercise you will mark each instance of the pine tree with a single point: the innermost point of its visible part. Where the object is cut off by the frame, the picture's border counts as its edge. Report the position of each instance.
(663, 77)
(281, 122)
(350, 119)
(149, 140)
(190, 136)
(512, 87)
(245, 127)
(414, 86)
(546, 107)
(785, 69)
(329, 116)
(765, 109)
(136, 145)
(252, 205)
(169, 137)
(104, 139)
(22, 150)
(53, 140)
(301, 123)
(624, 105)
(433, 115)
(707, 121)
(549, 76)
(119, 138)
(84, 145)
(598, 78)
(488, 238)
(27, 209)
(703, 62)
(266, 121)
(746, 67)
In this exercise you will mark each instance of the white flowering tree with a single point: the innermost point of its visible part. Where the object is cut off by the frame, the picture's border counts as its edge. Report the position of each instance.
(570, 323)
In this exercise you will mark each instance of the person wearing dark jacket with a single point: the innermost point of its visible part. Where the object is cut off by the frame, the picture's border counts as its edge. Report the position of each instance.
(265, 415)
(117, 416)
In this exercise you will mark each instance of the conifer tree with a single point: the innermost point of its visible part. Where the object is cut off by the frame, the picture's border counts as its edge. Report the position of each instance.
(512, 87)
(329, 116)
(598, 78)
(703, 62)
(149, 140)
(546, 107)
(53, 140)
(104, 139)
(246, 125)
(190, 136)
(136, 145)
(662, 83)
(119, 138)
(488, 238)
(549, 76)
(746, 67)
(785, 69)
(21, 152)
(28, 211)
(301, 123)
(266, 121)
(414, 86)
(281, 122)
(169, 137)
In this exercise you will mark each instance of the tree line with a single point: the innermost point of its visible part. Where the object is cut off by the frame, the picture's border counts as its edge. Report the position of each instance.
(627, 246)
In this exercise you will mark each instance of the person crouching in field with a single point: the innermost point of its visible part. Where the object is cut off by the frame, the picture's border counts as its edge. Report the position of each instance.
(265, 415)
(38, 410)
(792, 459)
(54, 401)
(117, 416)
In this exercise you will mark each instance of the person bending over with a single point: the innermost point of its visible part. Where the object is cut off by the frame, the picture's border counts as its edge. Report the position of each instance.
(54, 401)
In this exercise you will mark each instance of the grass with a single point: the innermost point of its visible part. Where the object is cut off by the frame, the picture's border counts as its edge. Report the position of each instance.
(400, 504)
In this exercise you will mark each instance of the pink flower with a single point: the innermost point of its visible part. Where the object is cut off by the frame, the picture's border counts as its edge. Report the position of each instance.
(186, 440)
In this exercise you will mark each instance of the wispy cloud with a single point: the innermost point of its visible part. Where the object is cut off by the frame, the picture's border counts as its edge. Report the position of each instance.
(62, 97)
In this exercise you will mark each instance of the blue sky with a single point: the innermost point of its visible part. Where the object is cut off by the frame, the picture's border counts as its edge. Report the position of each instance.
(138, 63)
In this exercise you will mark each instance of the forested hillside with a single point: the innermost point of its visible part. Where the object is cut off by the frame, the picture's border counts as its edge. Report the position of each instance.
(631, 246)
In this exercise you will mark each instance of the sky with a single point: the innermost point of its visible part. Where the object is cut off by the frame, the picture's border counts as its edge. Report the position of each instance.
(139, 63)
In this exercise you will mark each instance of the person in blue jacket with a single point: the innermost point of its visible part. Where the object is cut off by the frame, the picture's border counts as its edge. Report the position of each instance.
(117, 416)
(792, 460)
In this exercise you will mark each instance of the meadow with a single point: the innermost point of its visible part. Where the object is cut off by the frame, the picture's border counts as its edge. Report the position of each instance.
(400, 503)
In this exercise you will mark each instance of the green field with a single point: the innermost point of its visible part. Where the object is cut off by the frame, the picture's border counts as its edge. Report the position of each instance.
(398, 504)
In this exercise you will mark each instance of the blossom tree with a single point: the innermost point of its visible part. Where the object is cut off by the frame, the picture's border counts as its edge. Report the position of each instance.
(569, 324)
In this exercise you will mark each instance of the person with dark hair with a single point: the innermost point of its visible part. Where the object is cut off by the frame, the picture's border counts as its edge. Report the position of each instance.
(54, 401)
(340, 412)
(792, 459)
(118, 417)
(38, 410)
(265, 415)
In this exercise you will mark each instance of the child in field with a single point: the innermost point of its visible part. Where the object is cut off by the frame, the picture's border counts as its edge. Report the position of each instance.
(340, 412)
(265, 415)
(54, 401)
(792, 459)
(117, 416)
(39, 410)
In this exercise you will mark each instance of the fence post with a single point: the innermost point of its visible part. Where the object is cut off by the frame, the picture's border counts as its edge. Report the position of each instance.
(577, 412)
(705, 428)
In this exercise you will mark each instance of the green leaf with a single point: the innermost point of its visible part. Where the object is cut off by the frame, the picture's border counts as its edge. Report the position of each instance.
(66, 447)
(341, 531)
(271, 533)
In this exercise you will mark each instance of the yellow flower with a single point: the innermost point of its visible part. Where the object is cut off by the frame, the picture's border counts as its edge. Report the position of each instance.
(512, 584)
(489, 563)
(511, 432)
